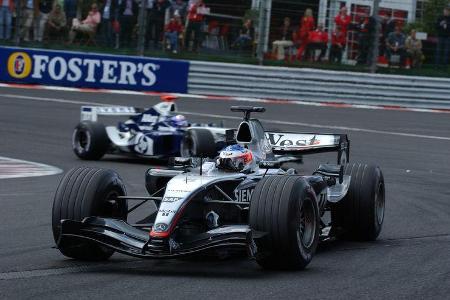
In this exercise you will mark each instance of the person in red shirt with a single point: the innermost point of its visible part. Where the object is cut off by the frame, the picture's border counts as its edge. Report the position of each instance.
(307, 24)
(338, 40)
(195, 21)
(173, 30)
(317, 40)
(343, 21)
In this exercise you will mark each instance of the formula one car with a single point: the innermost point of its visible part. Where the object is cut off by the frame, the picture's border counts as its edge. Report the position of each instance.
(240, 201)
(155, 132)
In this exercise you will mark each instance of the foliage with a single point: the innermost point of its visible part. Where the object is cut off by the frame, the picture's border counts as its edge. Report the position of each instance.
(418, 26)
(432, 10)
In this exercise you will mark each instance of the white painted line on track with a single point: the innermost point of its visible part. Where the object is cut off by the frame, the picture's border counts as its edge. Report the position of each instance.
(17, 168)
(309, 125)
(304, 102)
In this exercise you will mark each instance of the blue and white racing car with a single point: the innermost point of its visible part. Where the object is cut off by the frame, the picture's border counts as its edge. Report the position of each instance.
(156, 132)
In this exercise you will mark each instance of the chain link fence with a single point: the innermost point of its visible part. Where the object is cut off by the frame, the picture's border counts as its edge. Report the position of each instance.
(406, 36)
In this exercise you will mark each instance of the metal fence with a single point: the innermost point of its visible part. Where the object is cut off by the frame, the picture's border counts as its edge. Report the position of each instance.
(371, 34)
(318, 85)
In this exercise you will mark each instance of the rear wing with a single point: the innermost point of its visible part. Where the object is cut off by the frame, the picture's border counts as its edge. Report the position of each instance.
(307, 143)
(91, 113)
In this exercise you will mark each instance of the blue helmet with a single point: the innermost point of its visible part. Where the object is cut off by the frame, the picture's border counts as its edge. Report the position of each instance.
(235, 158)
(178, 121)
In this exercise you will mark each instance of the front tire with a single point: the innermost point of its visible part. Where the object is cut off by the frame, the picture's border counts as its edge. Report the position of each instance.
(361, 212)
(85, 192)
(285, 207)
(90, 140)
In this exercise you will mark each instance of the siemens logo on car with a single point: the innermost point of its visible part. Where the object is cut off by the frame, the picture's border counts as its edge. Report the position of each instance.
(92, 70)
(88, 70)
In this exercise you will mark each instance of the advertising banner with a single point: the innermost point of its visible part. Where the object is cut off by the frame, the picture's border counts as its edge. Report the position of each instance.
(76, 69)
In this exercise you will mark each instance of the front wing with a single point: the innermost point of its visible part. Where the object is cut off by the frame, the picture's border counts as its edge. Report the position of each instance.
(124, 238)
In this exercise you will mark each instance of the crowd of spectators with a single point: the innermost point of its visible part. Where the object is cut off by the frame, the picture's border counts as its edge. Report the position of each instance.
(310, 42)
(175, 25)
(168, 24)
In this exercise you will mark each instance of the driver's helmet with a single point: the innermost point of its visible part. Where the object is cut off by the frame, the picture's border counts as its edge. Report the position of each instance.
(178, 121)
(235, 158)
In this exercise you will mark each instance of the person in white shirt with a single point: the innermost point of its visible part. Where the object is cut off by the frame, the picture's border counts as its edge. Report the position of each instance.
(28, 19)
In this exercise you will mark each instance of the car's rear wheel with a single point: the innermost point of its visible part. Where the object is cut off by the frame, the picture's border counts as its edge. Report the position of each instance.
(198, 142)
(90, 140)
(285, 208)
(85, 192)
(361, 212)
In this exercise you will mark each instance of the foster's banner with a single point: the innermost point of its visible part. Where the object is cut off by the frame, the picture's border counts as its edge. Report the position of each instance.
(76, 69)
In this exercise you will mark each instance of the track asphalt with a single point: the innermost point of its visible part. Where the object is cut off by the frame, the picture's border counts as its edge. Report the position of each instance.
(411, 259)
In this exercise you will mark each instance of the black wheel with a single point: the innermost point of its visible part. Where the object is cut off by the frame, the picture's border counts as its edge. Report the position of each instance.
(89, 140)
(85, 192)
(198, 142)
(361, 212)
(285, 207)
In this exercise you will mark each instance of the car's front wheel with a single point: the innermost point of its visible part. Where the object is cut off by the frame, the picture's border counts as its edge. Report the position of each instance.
(284, 207)
(90, 140)
(85, 192)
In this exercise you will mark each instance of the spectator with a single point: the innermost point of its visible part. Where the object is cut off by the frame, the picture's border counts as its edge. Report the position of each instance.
(106, 25)
(383, 34)
(414, 49)
(338, 40)
(88, 25)
(365, 29)
(246, 36)
(6, 12)
(45, 6)
(395, 45)
(128, 12)
(284, 40)
(178, 7)
(70, 10)
(307, 25)
(195, 19)
(56, 23)
(443, 32)
(317, 40)
(155, 25)
(343, 21)
(28, 15)
(173, 31)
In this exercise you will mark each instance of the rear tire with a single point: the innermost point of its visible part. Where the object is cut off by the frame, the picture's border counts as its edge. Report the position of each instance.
(85, 192)
(198, 143)
(361, 213)
(90, 140)
(285, 207)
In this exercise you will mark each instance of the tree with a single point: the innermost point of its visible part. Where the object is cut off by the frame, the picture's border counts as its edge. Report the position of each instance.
(432, 10)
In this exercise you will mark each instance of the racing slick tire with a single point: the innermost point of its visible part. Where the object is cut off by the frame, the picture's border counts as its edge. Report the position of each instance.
(85, 192)
(285, 208)
(90, 140)
(361, 212)
(198, 142)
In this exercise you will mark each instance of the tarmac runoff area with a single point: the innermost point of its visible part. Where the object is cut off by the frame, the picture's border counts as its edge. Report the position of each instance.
(410, 260)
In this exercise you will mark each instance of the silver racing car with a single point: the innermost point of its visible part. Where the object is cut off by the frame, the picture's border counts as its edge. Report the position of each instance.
(239, 201)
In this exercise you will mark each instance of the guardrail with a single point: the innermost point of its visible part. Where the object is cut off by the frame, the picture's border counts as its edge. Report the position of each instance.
(317, 85)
